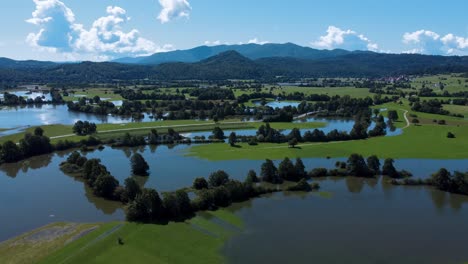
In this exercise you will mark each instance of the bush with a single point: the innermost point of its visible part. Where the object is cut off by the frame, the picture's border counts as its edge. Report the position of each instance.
(450, 135)
(441, 122)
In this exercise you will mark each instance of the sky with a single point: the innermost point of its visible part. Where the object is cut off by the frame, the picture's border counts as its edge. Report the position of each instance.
(98, 30)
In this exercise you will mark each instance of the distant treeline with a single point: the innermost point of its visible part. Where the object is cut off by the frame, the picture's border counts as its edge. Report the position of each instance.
(232, 65)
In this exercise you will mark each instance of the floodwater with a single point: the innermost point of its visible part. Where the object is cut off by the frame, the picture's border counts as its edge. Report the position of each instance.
(35, 192)
(17, 119)
(362, 221)
(331, 124)
(278, 104)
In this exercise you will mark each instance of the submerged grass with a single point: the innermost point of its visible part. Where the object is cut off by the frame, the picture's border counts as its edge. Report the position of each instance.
(198, 240)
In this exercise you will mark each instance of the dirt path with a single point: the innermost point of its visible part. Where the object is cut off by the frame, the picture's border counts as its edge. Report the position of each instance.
(406, 119)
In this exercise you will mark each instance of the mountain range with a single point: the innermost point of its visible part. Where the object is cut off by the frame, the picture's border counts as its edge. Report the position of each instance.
(251, 51)
(251, 61)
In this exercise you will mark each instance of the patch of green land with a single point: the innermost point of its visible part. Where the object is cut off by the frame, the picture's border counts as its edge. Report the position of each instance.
(106, 131)
(198, 240)
(425, 141)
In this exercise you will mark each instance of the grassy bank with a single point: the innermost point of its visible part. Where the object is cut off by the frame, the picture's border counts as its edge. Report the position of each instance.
(106, 131)
(198, 240)
(426, 141)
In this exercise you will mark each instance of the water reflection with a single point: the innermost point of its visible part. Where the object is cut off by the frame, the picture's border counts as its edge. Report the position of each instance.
(15, 118)
(36, 188)
(337, 229)
(105, 206)
(12, 169)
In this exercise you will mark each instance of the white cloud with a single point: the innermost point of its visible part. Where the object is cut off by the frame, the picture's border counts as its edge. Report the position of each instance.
(212, 43)
(256, 41)
(172, 9)
(55, 20)
(337, 38)
(59, 33)
(429, 42)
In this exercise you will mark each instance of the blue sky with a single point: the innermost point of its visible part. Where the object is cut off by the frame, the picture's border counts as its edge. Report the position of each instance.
(104, 29)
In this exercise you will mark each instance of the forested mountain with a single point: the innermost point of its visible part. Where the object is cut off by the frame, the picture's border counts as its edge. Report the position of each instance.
(251, 51)
(13, 64)
(232, 65)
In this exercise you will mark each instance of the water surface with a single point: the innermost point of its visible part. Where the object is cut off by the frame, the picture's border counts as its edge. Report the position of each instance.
(35, 192)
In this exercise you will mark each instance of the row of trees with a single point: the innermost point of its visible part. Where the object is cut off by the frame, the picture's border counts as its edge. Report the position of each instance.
(357, 166)
(442, 180)
(12, 99)
(97, 177)
(146, 205)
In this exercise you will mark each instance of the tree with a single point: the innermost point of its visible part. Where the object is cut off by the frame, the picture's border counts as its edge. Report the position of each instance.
(153, 137)
(356, 166)
(200, 183)
(221, 196)
(389, 170)
(232, 139)
(252, 177)
(450, 135)
(441, 179)
(393, 115)
(153, 204)
(373, 163)
(292, 143)
(146, 207)
(177, 205)
(415, 121)
(300, 169)
(132, 188)
(105, 185)
(218, 133)
(269, 172)
(84, 128)
(139, 165)
(286, 170)
(218, 178)
(38, 132)
(295, 134)
(376, 112)
(10, 152)
(93, 168)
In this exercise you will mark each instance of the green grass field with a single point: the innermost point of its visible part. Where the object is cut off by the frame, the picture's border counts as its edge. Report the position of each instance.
(91, 92)
(457, 109)
(452, 82)
(26, 249)
(425, 141)
(198, 240)
(331, 91)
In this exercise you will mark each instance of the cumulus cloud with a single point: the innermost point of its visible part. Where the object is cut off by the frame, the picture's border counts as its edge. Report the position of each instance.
(59, 33)
(429, 42)
(172, 9)
(55, 21)
(337, 38)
